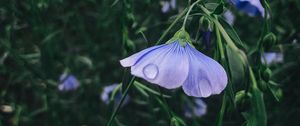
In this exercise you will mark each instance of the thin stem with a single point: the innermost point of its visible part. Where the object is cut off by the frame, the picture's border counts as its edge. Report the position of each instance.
(187, 14)
(220, 45)
(252, 77)
(221, 50)
(226, 37)
(222, 111)
(220, 27)
(122, 100)
(165, 102)
(171, 26)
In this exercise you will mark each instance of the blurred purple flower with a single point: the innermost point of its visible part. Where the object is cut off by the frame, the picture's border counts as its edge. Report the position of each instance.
(68, 82)
(251, 7)
(173, 65)
(197, 109)
(229, 17)
(105, 95)
(207, 38)
(168, 5)
(272, 57)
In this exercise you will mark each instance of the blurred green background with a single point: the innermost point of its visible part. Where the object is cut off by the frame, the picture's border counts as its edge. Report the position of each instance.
(42, 39)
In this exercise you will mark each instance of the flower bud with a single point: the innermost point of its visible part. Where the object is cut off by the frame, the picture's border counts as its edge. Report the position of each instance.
(242, 100)
(239, 96)
(262, 85)
(266, 74)
(278, 93)
(174, 122)
(269, 40)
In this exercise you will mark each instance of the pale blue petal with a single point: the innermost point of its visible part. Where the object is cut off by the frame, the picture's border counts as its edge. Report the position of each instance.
(131, 60)
(173, 4)
(197, 108)
(251, 7)
(106, 92)
(68, 82)
(165, 7)
(206, 76)
(166, 66)
(200, 108)
(229, 17)
(272, 57)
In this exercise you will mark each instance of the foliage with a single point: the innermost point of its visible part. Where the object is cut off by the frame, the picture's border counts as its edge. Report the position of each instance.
(42, 39)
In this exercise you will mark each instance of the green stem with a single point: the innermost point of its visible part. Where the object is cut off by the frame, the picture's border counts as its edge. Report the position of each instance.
(221, 50)
(252, 77)
(225, 35)
(17, 116)
(257, 102)
(222, 111)
(187, 14)
(220, 45)
(122, 100)
(171, 26)
(221, 29)
(165, 103)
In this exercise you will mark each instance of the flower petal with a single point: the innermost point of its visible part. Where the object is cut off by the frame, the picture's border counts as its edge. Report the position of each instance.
(206, 76)
(198, 108)
(165, 7)
(68, 82)
(252, 7)
(106, 92)
(229, 17)
(131, 60)
(166, 66)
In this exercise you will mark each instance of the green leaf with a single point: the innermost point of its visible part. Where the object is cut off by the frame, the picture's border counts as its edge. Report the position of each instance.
(256, 116)
(143, 87)
(258, 108)
(3, 57)
(85, 60)
(114, 92)
(177, 121)
(141, 90)
(114, 3)
(237, 69)
(275, 90)
(211, 6)
(233, 34)
(250, 120)
(50, 36)
(219, 9)
(222, 111)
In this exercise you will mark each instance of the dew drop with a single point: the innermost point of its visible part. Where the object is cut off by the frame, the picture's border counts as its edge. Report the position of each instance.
(150, 71)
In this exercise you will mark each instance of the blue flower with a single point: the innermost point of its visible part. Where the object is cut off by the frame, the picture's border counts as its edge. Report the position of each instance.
(105, 95)
(177, 64)
(272, 57)
(229, 17)
(68, 82)
(197, 109)
(168, 5)
(251, 7)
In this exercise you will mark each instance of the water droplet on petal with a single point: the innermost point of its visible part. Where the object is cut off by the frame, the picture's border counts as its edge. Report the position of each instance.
(150, 71)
